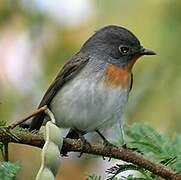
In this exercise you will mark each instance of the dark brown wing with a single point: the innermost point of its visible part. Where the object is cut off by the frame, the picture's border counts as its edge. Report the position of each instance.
(69, 71)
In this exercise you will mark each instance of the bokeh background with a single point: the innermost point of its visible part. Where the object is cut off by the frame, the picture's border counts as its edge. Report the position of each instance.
(38, 36)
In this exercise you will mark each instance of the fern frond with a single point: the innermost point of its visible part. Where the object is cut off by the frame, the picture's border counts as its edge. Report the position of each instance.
(94, 177)
(9, 170)
(119, 168)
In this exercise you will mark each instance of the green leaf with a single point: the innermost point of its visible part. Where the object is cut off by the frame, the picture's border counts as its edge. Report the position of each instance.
(119, 168)
(9, 170)
(155, 145)
(94, 177)
(2, 123)
(151, 144)
(146, 137)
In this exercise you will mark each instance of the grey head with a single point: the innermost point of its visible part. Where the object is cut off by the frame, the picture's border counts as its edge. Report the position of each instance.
(118, 43)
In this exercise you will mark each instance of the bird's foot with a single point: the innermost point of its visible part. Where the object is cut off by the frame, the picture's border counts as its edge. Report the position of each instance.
(107, 146)
(75, 134)
(83, 143)
(108, 149)
(124, 146)
(64, 153)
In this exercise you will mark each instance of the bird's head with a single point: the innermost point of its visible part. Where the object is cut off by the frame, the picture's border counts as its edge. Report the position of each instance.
(120, 44)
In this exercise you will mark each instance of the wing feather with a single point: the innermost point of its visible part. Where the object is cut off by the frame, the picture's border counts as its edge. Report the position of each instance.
(69, 71)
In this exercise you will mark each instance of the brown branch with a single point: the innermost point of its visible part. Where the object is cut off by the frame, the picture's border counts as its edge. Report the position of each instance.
(96, 149)
(19, 121)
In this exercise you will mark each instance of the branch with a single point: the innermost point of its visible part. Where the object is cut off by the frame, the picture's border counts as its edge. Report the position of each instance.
(7, 136)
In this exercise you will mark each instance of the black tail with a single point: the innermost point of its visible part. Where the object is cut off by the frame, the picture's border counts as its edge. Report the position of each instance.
(34, 123)
(37, 121)
(25, 125)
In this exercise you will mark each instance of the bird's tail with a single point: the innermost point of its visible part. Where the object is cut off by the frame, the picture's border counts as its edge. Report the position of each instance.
(35, 123)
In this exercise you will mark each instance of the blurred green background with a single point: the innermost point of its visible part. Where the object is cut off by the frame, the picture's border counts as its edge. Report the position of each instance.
(38, 36)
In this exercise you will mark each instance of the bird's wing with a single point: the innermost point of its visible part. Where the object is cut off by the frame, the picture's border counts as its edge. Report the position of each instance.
(69, 71)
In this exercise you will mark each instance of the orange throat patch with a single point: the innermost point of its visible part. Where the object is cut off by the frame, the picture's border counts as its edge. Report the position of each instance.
(117, 76)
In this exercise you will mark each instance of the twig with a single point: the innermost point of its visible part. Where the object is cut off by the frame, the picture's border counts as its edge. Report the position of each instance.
(97, 149)
(36, 112)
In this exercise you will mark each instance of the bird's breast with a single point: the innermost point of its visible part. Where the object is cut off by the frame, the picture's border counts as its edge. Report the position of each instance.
(86, 103)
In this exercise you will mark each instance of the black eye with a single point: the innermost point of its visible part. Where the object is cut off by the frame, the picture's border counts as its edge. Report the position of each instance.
(124, 49)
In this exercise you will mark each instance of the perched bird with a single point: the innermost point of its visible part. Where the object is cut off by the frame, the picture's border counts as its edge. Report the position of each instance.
(91, 90)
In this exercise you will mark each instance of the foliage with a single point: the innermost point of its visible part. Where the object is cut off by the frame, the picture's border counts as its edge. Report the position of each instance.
(142, 138)
(9, 170)
(151, 144)
(156, 146)
(119, 168)
(94, 177)
(129, 177)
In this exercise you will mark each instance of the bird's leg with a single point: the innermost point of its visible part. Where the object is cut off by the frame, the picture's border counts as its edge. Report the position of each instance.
(124, 141)
(72, 134)
(76, 134)
(83, 142)
(105, 141)
(107, 145)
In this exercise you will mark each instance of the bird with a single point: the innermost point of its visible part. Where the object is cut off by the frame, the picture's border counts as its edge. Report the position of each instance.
(91, 90)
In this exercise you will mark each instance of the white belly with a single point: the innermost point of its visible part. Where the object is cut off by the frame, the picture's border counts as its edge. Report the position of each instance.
(87, 105)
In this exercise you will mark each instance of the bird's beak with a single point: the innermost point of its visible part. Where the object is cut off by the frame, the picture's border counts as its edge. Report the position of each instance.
(144, 51)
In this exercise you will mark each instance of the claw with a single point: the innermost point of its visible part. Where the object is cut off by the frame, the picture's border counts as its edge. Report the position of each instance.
(125, 146)
(83, 142)
(108, 147)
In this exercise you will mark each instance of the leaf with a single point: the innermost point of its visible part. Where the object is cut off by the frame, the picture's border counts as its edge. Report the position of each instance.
(155, 145)
(146, 137)
(94, 177)
(2, 123)
(119, 168)
(131, 177)
(151, 144)
(9, 170)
